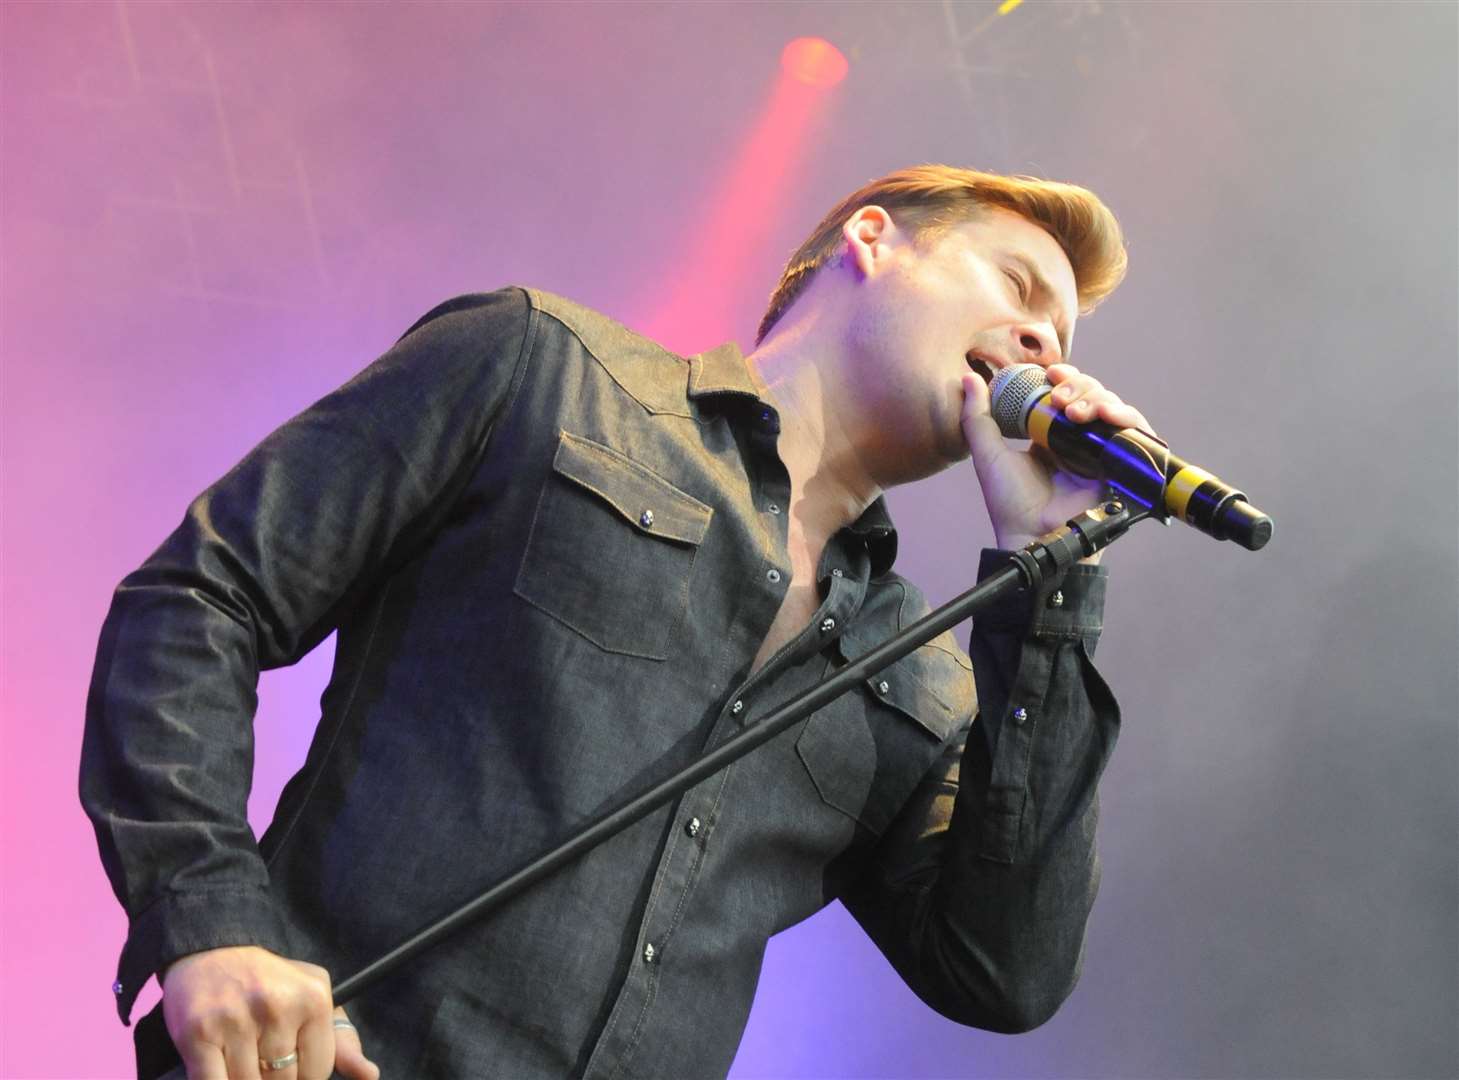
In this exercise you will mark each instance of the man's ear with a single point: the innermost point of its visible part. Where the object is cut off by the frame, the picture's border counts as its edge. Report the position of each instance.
(867, 233)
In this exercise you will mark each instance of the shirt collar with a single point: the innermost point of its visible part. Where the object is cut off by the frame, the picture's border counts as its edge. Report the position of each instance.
(875, 529)
(721, 370)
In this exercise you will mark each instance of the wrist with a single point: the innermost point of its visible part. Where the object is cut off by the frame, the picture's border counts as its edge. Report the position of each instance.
(1018, 541)
(1012, 541)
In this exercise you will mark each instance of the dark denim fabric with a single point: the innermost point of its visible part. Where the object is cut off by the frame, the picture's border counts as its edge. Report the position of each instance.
(551, 550)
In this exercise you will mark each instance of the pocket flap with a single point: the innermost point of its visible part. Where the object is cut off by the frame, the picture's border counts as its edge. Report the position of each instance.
(930, 685)
(646, 500)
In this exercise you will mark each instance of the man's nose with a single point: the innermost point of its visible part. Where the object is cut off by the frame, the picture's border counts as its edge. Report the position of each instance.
(1037, 343)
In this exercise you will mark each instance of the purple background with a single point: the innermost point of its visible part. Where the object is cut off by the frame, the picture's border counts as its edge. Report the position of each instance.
(213, 214)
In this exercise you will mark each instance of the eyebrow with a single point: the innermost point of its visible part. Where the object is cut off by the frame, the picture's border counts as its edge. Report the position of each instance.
(1041, 284)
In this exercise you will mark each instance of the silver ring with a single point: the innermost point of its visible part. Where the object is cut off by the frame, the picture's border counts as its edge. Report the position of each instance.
(284, 1062)
(341, 1022)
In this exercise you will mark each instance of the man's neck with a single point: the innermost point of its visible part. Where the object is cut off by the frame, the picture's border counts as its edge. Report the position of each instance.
(831, 483)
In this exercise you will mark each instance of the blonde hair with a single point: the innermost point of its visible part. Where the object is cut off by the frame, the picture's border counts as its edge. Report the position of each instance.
(931, 199)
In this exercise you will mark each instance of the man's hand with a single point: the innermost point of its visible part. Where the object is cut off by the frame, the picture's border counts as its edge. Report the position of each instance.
(227, 1008)
(1026, 495)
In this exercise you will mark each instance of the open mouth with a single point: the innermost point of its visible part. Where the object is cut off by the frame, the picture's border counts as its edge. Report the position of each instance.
(981, 368)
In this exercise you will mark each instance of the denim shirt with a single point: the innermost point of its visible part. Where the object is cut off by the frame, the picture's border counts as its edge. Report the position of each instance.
(551, 550)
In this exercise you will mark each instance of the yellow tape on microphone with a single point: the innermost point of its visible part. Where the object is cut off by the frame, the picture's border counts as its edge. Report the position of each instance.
(1182, 486)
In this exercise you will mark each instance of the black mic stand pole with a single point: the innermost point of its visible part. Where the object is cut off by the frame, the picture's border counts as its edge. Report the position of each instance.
(1045, 559)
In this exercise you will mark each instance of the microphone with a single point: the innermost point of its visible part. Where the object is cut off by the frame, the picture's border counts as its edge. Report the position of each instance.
(1128, 459)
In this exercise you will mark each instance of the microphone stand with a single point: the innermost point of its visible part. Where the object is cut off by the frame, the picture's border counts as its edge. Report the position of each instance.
(1045, 559)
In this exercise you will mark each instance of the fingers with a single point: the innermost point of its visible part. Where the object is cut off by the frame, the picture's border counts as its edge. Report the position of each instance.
(980, 430)
(975, 406)
(204, 1062)
(349, 1056)
(218, 1047)
(313, 1035)
(243, 1051)
(1084, 398)
(273, 1045)
(316, 1045)
(310, 1044)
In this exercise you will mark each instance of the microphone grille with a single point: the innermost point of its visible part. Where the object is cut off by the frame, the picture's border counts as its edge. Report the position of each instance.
(1012, 394)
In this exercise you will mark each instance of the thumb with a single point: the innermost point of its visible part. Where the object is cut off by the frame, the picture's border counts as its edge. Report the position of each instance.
(349, 1055)
(980, 430)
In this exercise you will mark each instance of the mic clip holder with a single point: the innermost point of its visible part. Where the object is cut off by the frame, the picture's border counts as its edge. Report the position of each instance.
(1044, 562)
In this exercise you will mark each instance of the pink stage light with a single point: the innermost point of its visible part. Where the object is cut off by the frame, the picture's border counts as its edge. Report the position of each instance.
(813, 61)
(731, 231)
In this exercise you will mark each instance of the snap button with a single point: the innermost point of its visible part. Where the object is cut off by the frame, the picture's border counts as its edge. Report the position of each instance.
(737, 708)
(1057, 600)
(649, 953)
(774, 508)
(1020, 714)
(883, 686)
(773, 575)
(646, 518)
(692, 828)
(827, 625)
(836, 572)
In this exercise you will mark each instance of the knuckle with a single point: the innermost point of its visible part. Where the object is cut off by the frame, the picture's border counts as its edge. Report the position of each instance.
(316, 999)
(197, 1028)
(214, 1023)
(271, 1008)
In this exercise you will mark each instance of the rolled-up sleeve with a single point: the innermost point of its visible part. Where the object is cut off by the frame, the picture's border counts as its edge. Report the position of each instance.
(265, 564)
(980, 891)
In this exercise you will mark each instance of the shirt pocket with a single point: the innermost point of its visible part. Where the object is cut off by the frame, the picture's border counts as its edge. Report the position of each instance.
(612, 549)
(867, 750)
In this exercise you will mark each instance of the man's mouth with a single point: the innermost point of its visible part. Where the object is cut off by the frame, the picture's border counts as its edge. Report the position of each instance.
(981, 368)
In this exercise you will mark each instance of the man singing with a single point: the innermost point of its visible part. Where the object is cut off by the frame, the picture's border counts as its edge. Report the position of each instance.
(563, 562)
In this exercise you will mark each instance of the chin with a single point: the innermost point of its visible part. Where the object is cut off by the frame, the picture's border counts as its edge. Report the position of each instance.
(952, 445)
(944, 454)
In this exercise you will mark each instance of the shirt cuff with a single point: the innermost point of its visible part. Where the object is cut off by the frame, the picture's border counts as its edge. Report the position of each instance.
(1071, 607)
(177, 924)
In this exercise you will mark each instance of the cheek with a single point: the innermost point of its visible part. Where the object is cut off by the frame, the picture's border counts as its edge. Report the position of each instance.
(878, 319)
(905, 326)
(882, 359)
